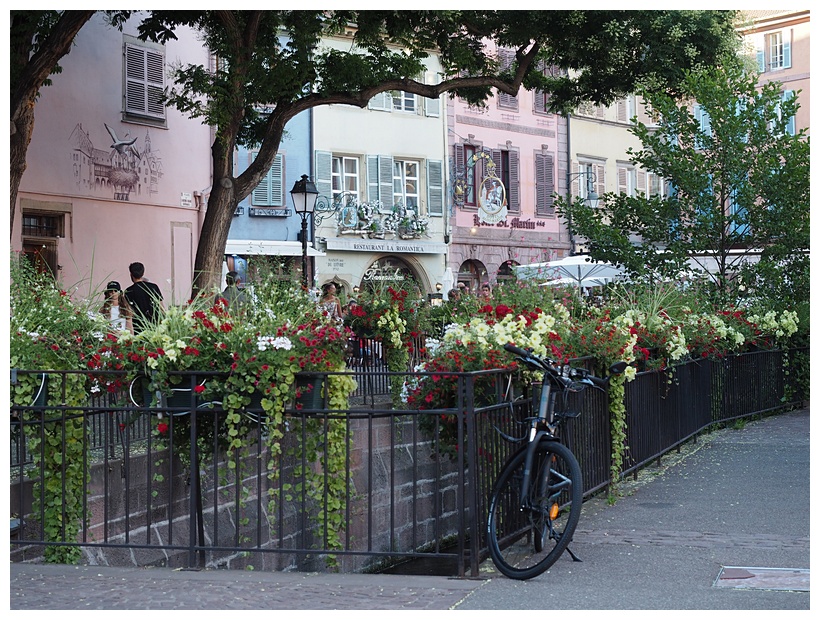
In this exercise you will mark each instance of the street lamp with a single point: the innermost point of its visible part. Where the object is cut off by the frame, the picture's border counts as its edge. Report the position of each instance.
(304, 194)
(590, 197)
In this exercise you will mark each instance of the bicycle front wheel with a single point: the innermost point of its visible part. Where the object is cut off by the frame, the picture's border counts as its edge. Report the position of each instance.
(528, 532)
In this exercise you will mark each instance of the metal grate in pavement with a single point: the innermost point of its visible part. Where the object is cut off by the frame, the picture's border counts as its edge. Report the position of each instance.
(754, 578)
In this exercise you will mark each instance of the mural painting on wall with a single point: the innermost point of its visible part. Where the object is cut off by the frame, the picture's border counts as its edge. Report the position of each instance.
(372, 221)
(125, 167)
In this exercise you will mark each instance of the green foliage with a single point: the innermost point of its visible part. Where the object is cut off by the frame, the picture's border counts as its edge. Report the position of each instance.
(740, 183)
(277, 64)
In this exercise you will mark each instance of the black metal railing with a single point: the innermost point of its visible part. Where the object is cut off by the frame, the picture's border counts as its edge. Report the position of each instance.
(407, 492)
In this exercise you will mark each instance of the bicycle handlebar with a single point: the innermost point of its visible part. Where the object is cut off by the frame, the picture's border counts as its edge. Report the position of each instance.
(527, 356)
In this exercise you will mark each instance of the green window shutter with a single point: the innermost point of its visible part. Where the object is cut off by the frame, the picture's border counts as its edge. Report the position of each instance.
(435, 187)
(787, 52)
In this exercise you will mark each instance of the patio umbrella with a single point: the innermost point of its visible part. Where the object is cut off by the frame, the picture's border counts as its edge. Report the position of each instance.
(579, 270)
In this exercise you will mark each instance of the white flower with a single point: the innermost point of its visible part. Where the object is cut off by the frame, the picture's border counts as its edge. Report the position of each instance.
(282, 342)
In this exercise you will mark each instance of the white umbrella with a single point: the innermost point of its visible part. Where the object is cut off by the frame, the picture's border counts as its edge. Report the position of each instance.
(579, 270)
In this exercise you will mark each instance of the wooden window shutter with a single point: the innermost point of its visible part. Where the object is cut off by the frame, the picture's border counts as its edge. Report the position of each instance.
(623, 180)
(621, 111)
(270, 192)
(261, 193)
(600, 181)
(544, 184)
(144, 81)
(514, 190)
(435, 187)
(641, 182)
(458, 153)
(324, 171)
(386, 181)
(372, 178)
(575, 186)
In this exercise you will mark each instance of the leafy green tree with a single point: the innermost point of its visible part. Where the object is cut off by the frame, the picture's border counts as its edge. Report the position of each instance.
(38, 40)
(273, 65)
(738, 180)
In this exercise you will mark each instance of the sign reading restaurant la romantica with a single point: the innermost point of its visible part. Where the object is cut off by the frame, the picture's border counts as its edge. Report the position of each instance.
(398, 247)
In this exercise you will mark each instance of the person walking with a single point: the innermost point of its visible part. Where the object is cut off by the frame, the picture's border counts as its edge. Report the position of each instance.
(144, 298)
(233, 295)
(116, 309)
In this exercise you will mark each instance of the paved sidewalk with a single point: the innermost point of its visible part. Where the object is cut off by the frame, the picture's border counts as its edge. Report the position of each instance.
(724, 525)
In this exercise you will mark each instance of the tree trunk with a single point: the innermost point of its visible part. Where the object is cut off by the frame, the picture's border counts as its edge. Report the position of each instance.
(213, 236)
(29, 71)
(22, 127)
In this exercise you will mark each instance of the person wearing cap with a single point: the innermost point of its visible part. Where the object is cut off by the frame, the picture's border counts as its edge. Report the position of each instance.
(115, 308)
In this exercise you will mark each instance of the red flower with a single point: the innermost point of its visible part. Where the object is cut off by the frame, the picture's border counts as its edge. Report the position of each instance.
(162, 428)
(199, 389)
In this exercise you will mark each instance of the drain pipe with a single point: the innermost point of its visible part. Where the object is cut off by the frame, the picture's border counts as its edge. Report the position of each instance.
(569, 185)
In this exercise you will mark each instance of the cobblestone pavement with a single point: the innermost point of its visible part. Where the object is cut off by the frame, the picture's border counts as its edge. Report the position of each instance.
(97, 587)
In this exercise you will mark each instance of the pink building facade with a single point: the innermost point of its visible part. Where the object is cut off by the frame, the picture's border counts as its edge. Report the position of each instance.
(514, 144)
(112, 175)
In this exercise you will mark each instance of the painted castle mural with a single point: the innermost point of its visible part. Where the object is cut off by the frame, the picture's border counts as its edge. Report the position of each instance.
(122, 169)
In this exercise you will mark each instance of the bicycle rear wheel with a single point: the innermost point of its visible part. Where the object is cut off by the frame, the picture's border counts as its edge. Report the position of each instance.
(527, 536)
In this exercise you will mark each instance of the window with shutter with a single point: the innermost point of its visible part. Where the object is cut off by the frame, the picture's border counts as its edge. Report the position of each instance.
(506, 169)
(322, 177)
(544, 184)
(380, 180)
(144, 81)
(505, 100)
(270, 191)
(790, 125)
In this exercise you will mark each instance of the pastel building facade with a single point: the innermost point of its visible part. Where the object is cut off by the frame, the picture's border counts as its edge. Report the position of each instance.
(113, 176)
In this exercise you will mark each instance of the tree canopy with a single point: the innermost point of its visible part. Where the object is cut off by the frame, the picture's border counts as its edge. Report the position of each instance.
(738, 178)
(274, 65)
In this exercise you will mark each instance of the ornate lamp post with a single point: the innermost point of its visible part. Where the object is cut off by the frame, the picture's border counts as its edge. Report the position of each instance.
(304, 194)
(590, 197)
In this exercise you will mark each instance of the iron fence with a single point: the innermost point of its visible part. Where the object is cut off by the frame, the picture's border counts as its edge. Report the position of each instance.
(410, 489)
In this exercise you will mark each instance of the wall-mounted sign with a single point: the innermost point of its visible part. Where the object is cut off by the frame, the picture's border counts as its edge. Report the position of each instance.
(257, 212)
(186, 199)
(387, 245)
(492, 200)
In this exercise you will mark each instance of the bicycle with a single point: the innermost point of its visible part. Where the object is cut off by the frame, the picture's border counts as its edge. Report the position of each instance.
(536, 500)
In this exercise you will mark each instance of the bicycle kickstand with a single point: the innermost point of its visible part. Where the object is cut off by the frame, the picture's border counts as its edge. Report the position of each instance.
(574, 557)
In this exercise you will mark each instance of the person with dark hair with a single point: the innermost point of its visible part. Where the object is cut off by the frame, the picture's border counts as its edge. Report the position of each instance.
(233, 295)
(144, 297)
(115, 308)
